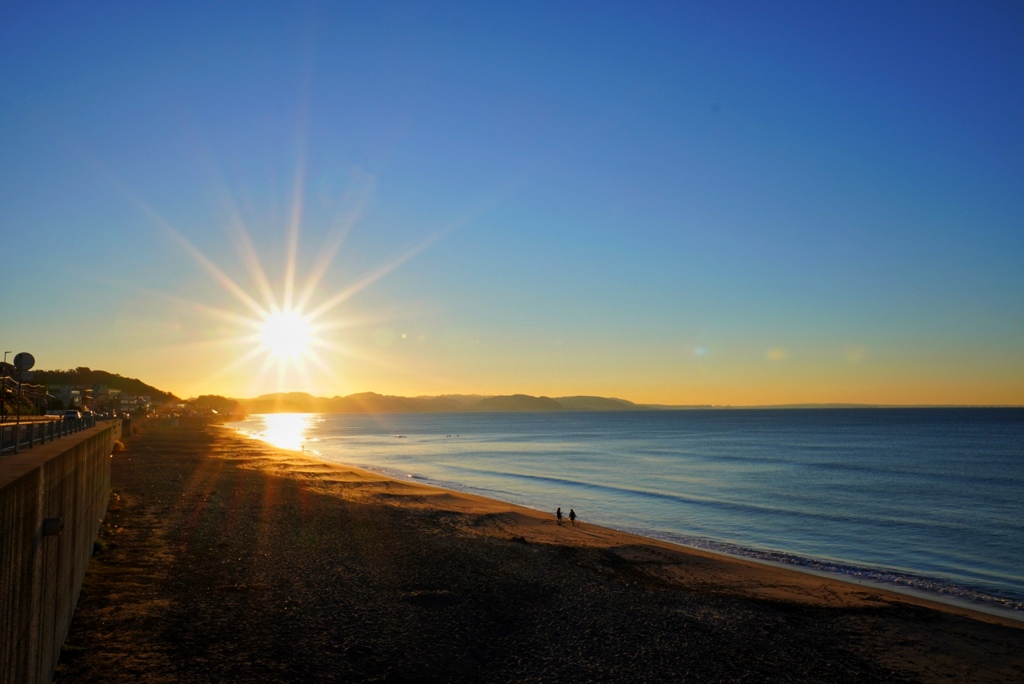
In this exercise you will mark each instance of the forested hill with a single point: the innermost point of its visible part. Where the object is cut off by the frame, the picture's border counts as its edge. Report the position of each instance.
(86, 377)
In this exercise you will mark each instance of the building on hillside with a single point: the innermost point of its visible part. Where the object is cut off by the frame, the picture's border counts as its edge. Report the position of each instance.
(72, 396)
(132, 403)
(105, 399)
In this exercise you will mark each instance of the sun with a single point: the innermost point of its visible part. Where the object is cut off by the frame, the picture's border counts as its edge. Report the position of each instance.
(287, 335)
(287, 329)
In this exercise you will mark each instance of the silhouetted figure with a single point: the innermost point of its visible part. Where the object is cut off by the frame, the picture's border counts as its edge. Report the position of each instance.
(572, 516)
(558, 514)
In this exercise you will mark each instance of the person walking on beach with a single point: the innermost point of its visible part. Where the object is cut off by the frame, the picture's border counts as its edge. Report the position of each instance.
(558, 514)
(572, 516)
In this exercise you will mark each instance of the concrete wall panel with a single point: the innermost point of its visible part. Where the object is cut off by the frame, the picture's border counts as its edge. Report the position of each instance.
(41, 576)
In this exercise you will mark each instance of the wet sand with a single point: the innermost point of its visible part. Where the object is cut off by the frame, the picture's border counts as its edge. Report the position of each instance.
(224, 559)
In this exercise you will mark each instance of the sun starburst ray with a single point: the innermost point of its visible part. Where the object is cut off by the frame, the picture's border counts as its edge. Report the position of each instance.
(298, 353)
(237, 363)
(214, 312)
(366, 358)
(293, 227)
(222, 277)
(373, 277)
(239, 233)
(340, 230)
(284, 326)
(225, 342)
(198, 307)
(322, 365)
(350, 322)
(191, 249)
(252, 262)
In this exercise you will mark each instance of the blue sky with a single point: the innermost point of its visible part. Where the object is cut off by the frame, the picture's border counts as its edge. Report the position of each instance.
(718, 203)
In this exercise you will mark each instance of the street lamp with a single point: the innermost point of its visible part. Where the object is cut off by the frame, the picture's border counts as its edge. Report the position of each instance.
(23, 361)
(3, 391)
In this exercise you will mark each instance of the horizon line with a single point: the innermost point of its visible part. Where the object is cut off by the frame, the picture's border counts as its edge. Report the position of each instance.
(787, 405)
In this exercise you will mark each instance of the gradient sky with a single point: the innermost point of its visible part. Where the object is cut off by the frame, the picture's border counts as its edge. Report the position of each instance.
(712, 203)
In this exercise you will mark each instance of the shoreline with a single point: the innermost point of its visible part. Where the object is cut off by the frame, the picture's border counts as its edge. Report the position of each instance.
(223, 558)
(936, 600)
(1004, 616)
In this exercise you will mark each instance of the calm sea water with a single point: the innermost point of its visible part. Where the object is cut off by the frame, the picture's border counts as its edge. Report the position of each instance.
(930, 499)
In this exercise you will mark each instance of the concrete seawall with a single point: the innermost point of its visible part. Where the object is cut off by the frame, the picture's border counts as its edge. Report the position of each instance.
(41, 563)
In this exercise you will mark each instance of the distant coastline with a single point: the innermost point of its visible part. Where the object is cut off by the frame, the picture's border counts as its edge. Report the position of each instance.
(371, 402)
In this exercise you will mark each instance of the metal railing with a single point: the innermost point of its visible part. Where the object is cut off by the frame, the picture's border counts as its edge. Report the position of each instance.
(14, 437)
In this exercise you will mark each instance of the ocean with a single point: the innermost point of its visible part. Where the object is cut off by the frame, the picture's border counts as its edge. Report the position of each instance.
(930, 500)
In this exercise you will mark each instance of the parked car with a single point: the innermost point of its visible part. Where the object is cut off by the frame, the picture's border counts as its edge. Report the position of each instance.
(72, 413)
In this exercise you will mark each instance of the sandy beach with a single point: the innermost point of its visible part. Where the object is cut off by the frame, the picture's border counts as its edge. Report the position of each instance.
(224, 559)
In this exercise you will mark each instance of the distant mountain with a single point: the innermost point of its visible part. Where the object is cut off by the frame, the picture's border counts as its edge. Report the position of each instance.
(214, 402)
(682, 407)
(371, 402)
(817, 406)
(688, 407)
(518, 402)
(284, 402)
(274, 406)
(597, 404)
(442, 404)
(463, 401)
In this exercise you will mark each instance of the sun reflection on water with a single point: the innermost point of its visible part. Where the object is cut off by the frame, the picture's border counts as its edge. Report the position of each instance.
(286, 430)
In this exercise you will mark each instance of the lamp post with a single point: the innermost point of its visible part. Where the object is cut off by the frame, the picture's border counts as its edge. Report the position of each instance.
(3, 391)
(17, 421)
(23, 361)
(3, 400)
